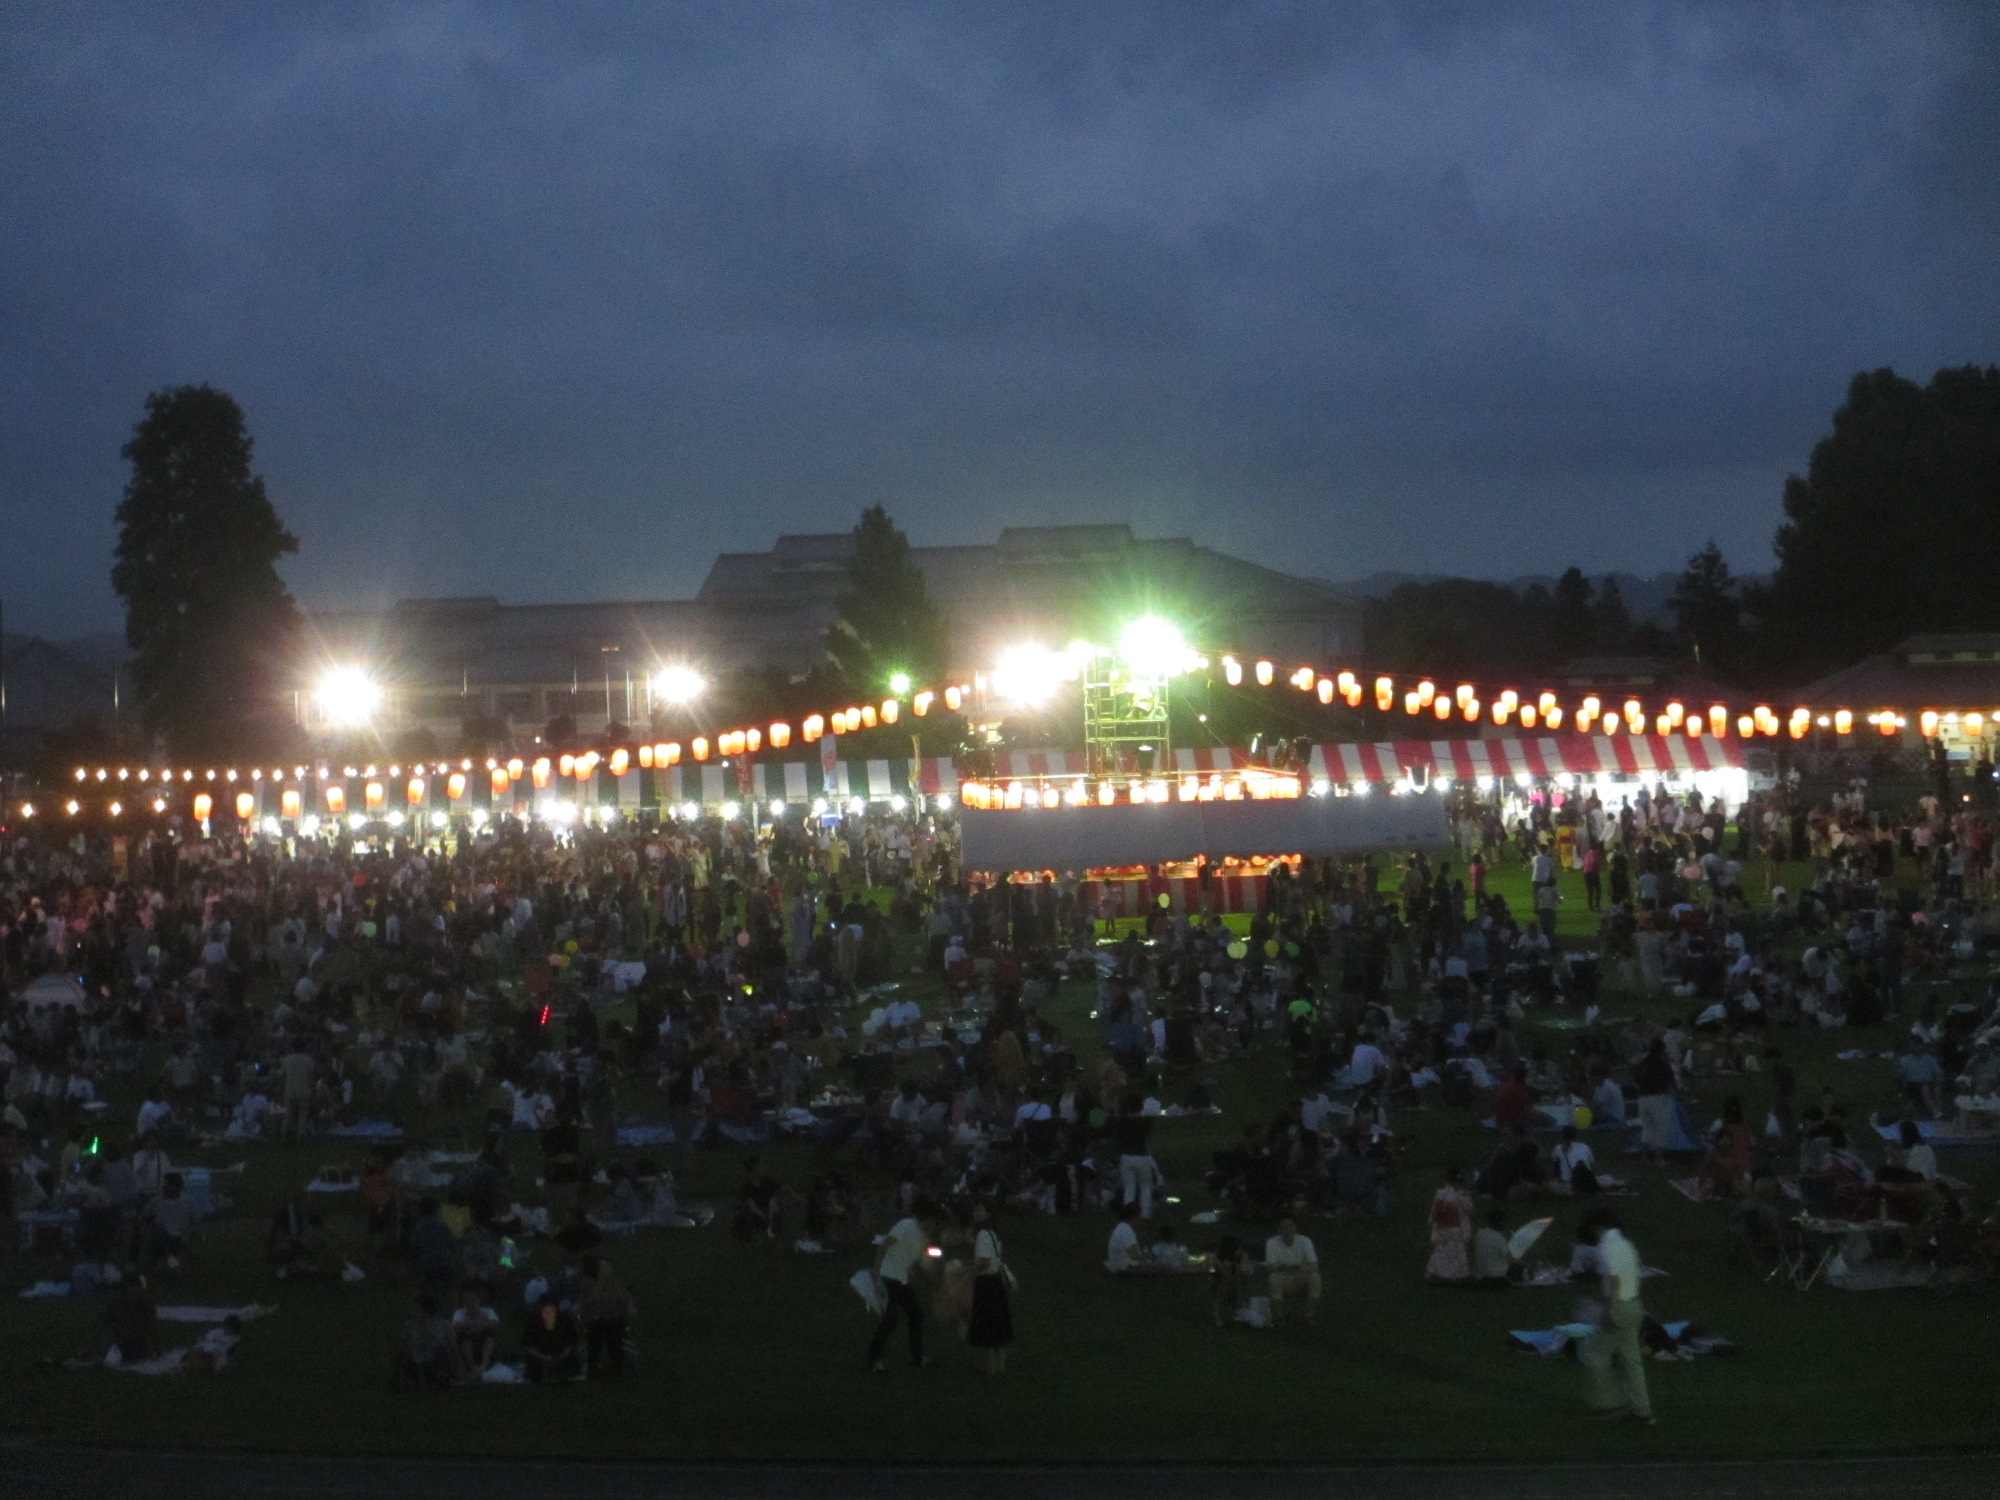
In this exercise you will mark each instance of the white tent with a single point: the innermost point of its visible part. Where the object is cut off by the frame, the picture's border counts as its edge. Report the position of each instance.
(1078, 838)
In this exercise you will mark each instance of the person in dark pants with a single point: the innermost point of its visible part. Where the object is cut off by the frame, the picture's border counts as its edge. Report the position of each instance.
(992, 1323)
(606, 1308)
(901, 1259)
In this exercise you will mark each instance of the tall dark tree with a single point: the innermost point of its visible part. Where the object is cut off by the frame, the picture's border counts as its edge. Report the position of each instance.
(887, 622)
(1895, 526)
(1466, 628)
(1573, 626)
(1708, 610)
(208, 619)
(1610, 620)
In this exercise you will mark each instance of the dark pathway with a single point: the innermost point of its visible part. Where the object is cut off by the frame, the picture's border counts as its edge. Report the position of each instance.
(32, 1472)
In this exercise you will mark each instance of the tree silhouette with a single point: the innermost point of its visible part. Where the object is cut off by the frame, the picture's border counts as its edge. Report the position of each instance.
(208, 619)
(1895, 525)
(887, 623)
(1573, 626)
(1708, 610)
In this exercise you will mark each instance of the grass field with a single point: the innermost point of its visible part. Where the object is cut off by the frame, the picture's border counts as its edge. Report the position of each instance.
(756, 1353)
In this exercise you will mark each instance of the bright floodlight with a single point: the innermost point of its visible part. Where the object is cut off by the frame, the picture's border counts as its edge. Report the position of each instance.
(679, 684)
(348, 697)
(1029, 675)
(1153, 648)
(900, 683)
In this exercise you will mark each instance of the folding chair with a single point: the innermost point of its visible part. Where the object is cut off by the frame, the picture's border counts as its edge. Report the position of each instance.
(1817, 1248)
(1763, 1235)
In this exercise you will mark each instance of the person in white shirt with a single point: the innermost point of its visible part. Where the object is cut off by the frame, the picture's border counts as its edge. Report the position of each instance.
(1367, 1064)
(1294, 1272)
(1122, 1253)
(149, 1168)
(475, 1328)
(1034, 1110)
(1607, 1102)
(1575, 1165)
(904, 1252)
(153, 1114)
(1613, 1356)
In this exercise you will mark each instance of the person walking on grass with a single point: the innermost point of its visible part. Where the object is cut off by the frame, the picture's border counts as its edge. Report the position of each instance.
(1614, 1355)
(898, 1262)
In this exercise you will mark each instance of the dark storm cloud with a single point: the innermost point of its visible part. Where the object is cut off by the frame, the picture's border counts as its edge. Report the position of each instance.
(555, 302)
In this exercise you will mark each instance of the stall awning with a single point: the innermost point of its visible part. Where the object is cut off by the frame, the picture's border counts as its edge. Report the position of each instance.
(1531, 755)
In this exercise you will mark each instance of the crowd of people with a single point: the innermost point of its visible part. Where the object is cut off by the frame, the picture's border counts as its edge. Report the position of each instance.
(577, 1009)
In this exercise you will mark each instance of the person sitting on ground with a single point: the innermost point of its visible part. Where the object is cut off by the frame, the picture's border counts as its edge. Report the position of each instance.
(1515, 1162)
(578, 1236)
(1227, 1270)
(1451, 1230)
(433, 1248)
(210, 1353)
(150, 1167)
(1492, 1257)
(1726, 1170)
(1607, 1101)
(1167, 1253)
(166, 1224)
(1916, 1155)
(428, 1358)
(1573, 1162)
(550, 1346)
(1922, 1077)
(288, 1247)
(1514, 1101)
(1293, 1265)
(758, 1204)
(131, 1323)
(475, 1329)
(1121, 1255)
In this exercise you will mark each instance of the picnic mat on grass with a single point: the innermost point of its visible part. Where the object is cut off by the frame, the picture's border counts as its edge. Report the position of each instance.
(249, 1313)
(1682, 1339)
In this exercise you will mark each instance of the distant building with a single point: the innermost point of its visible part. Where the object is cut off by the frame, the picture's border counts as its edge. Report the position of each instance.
(1945, 672)
(1951, 675)
(453, 660)
(53, 688)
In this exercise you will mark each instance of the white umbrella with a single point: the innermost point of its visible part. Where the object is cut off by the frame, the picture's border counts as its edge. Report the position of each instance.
(1524, 1238)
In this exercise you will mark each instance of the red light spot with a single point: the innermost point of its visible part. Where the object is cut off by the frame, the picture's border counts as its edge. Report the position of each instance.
(545, 1017)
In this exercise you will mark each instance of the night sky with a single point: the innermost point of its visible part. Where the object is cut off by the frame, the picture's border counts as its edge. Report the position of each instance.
(557, 301)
